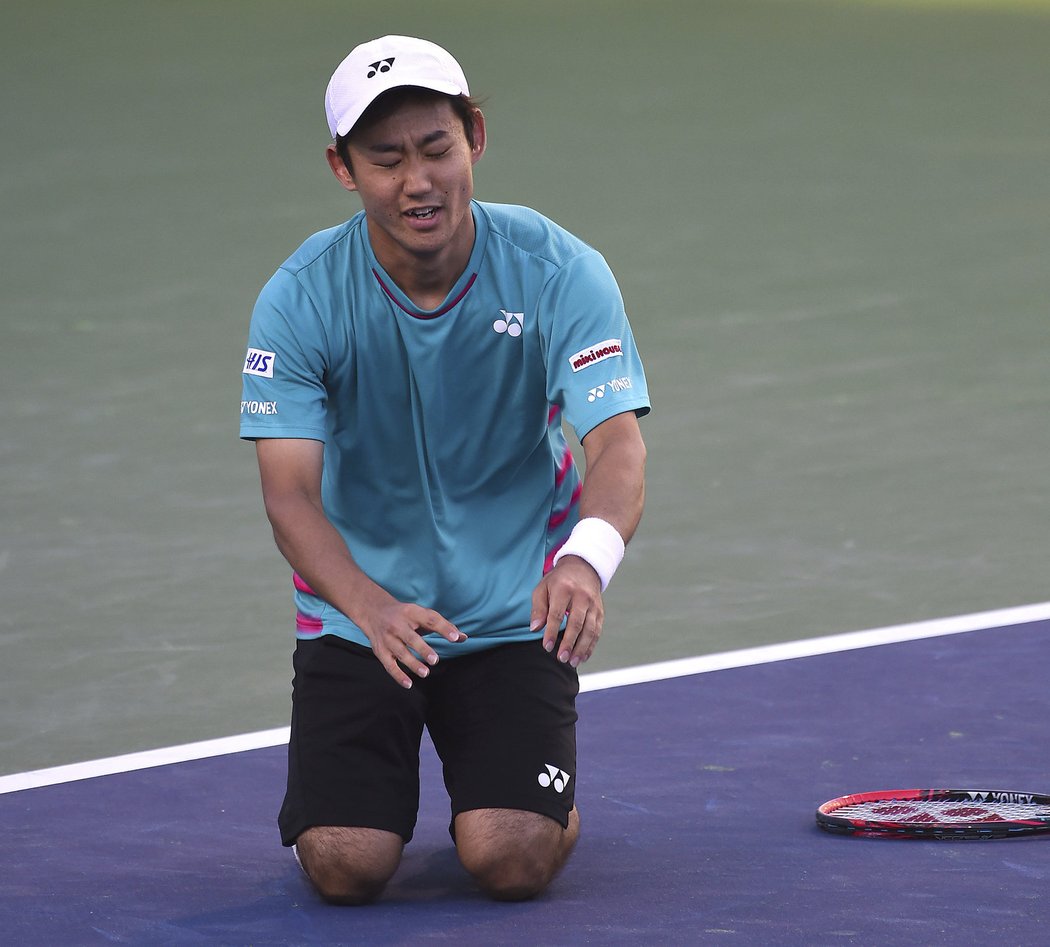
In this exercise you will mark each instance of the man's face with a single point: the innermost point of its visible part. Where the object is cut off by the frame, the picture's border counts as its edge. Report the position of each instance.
(413, 171)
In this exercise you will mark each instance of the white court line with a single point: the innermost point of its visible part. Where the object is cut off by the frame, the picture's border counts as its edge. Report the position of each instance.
(850, 641)
(600, 680)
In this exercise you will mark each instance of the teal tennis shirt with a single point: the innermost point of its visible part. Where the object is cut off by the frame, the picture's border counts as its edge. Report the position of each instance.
(445, 467)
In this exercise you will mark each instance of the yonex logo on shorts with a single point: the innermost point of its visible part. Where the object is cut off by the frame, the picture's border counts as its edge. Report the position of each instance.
(259, 362)
(610, 348)
(555, 778)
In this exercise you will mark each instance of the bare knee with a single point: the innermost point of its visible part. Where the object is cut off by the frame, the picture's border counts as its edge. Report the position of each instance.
(511, 875)
(349, 865)
(513, 856)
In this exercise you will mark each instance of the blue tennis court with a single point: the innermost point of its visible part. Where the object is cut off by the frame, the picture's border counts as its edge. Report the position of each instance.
(696, 788)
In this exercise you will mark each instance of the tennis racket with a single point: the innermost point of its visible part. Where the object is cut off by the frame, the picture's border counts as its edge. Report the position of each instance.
(937, 814)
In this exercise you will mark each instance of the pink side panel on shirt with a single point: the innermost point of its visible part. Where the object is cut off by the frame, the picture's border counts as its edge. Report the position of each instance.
(307, 626)
(562, 515)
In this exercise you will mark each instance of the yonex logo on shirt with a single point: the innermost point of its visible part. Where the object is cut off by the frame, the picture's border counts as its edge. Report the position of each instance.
(616, 384)
(509, 322)
(258, 407)
(610, 348)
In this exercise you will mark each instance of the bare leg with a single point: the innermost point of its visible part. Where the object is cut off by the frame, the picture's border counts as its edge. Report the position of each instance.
(513, 855)
(349, 865)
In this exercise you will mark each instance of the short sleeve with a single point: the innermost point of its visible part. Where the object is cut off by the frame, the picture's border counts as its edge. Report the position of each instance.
(283, 392)
(594, 370)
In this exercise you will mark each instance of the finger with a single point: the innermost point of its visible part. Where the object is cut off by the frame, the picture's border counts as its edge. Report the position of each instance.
(557, 608)
(406, 653)
(574, 626)
(588, 638)
(416, 655)
(538, 615)
(395, 670)
(541, 616)
(583, 628)
(413, 665)
(436, 622)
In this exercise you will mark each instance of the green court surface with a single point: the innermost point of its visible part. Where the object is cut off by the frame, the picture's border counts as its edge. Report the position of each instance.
(830, 221)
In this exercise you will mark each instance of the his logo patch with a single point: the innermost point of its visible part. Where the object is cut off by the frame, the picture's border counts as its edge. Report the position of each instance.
(258, 362)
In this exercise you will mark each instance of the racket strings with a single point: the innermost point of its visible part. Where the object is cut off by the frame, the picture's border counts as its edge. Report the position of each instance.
(931, 811)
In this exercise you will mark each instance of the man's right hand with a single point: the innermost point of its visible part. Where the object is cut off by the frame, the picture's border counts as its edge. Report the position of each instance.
(291, 471)
(395, 630)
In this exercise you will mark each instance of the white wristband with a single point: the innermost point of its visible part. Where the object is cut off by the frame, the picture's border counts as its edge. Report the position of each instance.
(598, 544)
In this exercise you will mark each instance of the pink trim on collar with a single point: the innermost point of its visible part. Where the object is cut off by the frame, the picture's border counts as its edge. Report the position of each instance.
(431, 315)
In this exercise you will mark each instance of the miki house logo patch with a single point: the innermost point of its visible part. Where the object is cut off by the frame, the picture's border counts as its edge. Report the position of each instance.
(610, 348)
(258, 362)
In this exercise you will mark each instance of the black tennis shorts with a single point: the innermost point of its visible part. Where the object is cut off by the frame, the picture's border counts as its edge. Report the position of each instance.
(503, 722)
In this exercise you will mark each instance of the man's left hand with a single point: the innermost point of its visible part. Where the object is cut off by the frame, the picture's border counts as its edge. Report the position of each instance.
(572, 588)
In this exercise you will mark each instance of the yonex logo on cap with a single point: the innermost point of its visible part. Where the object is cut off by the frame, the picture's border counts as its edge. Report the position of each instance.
(382, 65)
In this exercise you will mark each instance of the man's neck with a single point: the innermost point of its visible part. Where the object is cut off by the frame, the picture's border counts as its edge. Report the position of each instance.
(427, 282)
(427, 278)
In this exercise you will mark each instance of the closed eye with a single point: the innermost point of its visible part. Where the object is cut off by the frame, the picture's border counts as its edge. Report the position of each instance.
(390, 165)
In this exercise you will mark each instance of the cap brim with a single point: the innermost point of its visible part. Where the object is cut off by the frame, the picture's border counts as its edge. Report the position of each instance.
(347, 122)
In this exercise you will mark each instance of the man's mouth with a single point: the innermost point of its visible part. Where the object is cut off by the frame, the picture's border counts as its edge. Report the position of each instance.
(422, 213)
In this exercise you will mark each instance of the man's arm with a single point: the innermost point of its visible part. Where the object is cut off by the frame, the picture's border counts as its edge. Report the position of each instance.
(614, 491)
(290, 470)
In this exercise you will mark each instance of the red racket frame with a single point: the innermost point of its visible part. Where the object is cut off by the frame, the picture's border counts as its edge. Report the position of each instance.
(890, 828)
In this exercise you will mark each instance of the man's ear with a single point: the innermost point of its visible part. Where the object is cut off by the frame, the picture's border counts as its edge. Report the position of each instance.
(339, 169)
(480, 137)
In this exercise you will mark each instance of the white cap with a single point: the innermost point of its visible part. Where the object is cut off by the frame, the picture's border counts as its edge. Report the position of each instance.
(387, 63)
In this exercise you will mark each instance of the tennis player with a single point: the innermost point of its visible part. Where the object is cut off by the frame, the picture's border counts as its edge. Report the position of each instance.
(405, 383)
